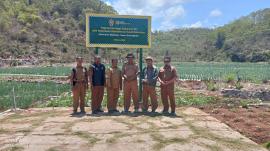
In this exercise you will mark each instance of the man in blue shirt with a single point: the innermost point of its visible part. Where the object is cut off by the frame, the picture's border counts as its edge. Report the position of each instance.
(97, 83)
(150, 75)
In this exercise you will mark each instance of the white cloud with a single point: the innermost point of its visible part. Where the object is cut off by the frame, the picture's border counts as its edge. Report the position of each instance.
(198, 24)
(108, 3)
(166, 12)
(167, 25)
(215, 13)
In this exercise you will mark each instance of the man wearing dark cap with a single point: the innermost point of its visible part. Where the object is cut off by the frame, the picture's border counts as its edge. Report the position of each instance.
(150, 75)
(130, 72)
(167, 76)
(79, 83)
(114, 85)
(97, 83)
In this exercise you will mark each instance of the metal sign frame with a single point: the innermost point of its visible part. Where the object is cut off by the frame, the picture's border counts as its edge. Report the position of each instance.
(105, 45)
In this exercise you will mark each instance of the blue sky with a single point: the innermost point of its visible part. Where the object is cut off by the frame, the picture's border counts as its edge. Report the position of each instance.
(170, 14)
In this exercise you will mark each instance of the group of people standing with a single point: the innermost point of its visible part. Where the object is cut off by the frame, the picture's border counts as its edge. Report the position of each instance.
(97, 77)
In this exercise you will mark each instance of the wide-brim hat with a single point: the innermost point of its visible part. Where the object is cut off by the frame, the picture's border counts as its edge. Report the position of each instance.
(149, 58)
(167, 59)
(130, 55)
(98, 57)
(79, 57)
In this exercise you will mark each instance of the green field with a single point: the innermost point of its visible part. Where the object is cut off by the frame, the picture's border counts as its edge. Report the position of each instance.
(28, 93)
(56, 71)
(254, 72)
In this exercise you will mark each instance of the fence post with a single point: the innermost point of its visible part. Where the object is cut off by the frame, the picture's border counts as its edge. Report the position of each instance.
(14, 99)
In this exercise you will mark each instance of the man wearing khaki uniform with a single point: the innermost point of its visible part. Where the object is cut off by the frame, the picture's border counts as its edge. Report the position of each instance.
(114, 85)
(150, 75)
(167, 76)
(130, 71)
(79, 82)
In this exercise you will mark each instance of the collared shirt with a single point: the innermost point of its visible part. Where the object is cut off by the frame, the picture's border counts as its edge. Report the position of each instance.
(167, 73)
(130, 70)
(80, 73)
(97, 72)
(150, 74)
(114, 77)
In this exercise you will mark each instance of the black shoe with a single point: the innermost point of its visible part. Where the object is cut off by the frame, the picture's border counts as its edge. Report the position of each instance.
(100, 110)
(117, 111)
(136, 110)
(173, 113)
(83, 112)
(165, 112)
(111, 111)
(95, 112)
(153, 111)
(125, 111)
(74, 113)
(145, 110)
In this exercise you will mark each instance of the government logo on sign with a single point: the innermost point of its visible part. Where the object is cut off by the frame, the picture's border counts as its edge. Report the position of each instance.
(111, 22)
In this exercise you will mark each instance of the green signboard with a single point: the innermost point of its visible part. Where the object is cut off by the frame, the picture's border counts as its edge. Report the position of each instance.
(118, 31)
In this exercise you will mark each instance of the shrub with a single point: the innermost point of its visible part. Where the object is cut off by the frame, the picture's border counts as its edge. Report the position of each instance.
(25, 18)
(238, 86)
(211, 86)
(230, 78)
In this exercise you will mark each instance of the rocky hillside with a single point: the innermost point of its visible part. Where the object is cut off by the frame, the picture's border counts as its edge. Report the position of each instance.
(49, 29)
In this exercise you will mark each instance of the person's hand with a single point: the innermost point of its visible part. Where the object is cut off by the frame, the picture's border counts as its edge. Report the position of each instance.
(145, 81)
(162, 83)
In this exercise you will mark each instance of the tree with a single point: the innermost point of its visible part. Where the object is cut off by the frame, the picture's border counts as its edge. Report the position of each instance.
(30, 2)
(220, 40)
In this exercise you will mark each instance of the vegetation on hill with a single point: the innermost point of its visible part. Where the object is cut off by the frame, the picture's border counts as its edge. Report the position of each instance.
(55, 30)
(243, 40)
(49, 29)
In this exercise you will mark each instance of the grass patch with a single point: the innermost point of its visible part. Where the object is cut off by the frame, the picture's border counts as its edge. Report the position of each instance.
(52, 149)
(267, 145)
(64, 100)
(229, 78)
(161, 142)
(184, 98)
(27, 94)
(16, 148)
(211, 85)
(84, 135)
(116, 136)
(238, 85)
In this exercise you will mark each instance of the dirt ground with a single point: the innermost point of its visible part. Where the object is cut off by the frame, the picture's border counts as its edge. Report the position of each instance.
(253, 122)
(51, 129)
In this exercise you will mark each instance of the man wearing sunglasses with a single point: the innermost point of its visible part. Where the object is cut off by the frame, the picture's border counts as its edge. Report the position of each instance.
(167, 77)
